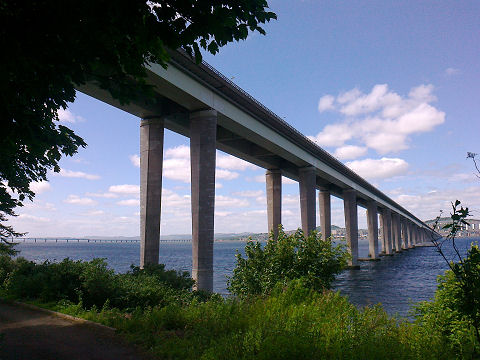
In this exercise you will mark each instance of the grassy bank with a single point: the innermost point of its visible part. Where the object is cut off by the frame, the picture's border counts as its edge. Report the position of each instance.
(291, 323)
(282, 309)
(155, 309)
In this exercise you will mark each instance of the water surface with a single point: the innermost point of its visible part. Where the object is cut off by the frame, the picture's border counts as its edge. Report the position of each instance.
(395, 281)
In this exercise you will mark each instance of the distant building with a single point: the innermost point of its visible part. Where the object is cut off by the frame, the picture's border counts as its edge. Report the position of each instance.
(470, 230)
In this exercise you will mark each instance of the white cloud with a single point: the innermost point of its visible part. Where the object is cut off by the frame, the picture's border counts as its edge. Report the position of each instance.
(334, 135)
(173, 202)
(259, 179)
(452, 71)
(129, 202)
(94, 213)
(381, 120)
(326, 103)
(177, 169)
(379, 168)
(125, 189)
(249, 193)
(107, 195)
(428, 205)
(66, 116)
(39, 187)
(463, 177)
(135, 160)
(76, 174)
(176, 164)
(229, 202)
(230, 162)
(76, 200)
(223, 213)
(291, 200)
(39, 205)
(181, 152)
(33, 218)
(225, 174)
(350, 152)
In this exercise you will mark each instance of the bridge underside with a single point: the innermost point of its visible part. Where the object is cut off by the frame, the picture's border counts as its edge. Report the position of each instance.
(195, 101)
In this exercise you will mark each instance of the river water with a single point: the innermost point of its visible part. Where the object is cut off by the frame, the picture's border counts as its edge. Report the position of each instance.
(396, 281)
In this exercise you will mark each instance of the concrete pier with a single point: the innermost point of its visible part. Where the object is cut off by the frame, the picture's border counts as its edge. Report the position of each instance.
(372, 220)
(404, 233)
(351, 224)
(151, 162)
(307, 184)
(273, 179)
(410, 234)
(397, 232)
(203, 128)
(325, 213)
(382, 235)
(387, 231)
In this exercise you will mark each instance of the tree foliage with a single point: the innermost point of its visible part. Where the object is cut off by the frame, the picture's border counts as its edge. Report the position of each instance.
(459, 289)
(50, 47)
(286, 258)
(93, 284)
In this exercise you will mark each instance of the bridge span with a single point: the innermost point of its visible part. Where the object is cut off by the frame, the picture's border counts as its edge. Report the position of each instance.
(200, 103)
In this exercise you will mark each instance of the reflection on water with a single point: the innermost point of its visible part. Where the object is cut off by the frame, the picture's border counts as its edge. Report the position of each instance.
(395, 281)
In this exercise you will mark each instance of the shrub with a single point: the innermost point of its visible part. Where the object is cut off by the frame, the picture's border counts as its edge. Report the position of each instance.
(456, 306)
(6, 267)
(93, 284)
(172, 278)
(293, 322)
(286, 258)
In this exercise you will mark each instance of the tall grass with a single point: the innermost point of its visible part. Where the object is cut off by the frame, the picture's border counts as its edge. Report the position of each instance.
(157, 309)
(293, 322)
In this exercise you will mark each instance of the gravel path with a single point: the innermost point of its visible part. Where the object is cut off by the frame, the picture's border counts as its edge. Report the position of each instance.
(31, 334)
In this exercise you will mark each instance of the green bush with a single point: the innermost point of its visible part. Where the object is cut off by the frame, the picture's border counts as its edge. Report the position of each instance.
(6, 267)
(93, 284)
(286, 258)
(293, 322)
(172, 278)
(456, 305)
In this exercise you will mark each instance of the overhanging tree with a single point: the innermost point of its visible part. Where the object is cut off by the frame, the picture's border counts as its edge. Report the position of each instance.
(50, 46)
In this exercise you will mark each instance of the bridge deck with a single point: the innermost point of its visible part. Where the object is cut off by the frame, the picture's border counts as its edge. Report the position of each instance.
(245, 128)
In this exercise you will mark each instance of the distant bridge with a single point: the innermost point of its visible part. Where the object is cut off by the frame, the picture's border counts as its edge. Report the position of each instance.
(200, 103)
(83, 240)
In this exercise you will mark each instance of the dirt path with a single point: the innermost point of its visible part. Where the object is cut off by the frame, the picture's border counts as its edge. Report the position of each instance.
(30, 334)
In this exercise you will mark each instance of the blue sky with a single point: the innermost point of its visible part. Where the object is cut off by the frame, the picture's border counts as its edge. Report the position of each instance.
(390, 88)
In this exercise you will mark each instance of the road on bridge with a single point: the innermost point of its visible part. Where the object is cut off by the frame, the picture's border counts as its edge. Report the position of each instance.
(31, 334)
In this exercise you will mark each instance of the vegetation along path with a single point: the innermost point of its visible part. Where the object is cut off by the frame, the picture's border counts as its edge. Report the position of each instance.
(33, 334)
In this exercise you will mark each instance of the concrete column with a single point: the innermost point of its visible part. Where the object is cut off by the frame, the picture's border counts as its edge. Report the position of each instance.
(382, 235)
(387, 231)
(425, 235)
(274, 200)
(203, 130)
(404, 234)
(325, 213)
(307, 183)
(151, 161)
(351, 224)
(372, 229)
(397, 232)
(410, 235)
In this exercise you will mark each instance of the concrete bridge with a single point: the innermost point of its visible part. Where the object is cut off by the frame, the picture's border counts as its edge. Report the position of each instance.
(199, 102)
